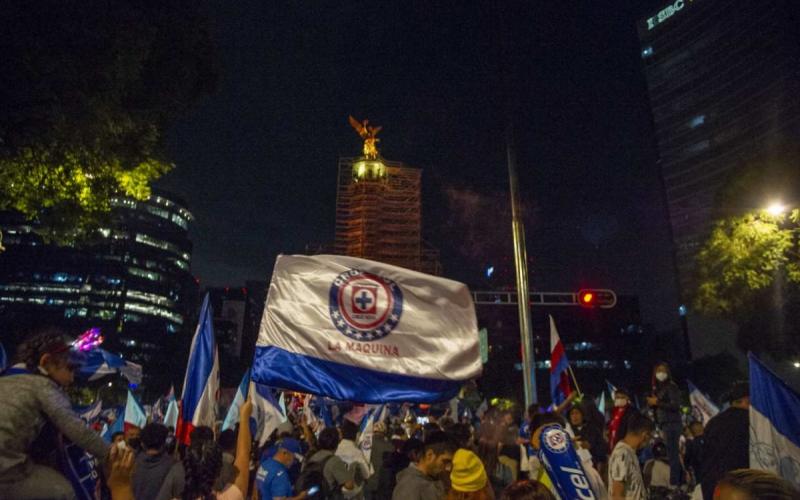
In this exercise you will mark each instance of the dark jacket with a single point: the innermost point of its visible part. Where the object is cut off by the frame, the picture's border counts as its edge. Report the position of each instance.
(668, 410)
(726, 447)
(149, 474)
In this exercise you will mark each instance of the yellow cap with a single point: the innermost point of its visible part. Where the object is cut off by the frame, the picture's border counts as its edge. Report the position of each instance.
(468, 473)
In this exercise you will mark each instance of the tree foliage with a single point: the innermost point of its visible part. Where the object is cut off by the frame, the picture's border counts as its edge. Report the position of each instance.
(745, 255)
(87, 89)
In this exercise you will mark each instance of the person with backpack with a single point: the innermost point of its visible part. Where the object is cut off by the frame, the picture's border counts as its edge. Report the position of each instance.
(326, 471)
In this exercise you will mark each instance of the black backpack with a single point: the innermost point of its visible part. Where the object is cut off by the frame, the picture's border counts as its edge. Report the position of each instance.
(312, 475)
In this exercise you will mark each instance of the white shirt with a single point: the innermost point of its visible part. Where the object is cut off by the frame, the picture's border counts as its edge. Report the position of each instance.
(623, 467)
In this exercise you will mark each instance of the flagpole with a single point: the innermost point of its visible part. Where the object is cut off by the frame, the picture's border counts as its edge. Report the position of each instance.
(521, 267)
(575, 380)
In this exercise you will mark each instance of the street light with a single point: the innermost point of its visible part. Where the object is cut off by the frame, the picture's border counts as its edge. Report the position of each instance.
(776, 208)
(796, 364)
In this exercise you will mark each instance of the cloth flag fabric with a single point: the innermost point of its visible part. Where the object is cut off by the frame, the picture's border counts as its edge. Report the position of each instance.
(601, 403)
(232, 417)
(266, 411)
(117, 426)
(774, 424)
(560, 387)
(365, 438)
(384, 413)
(201, 383)
(702, 407)
(357, 330)
(134, 413)
(100, 363)
(308, 414)
(160, 407)
(325, 413)
(171, 415)
(92, 412)
(282, 406)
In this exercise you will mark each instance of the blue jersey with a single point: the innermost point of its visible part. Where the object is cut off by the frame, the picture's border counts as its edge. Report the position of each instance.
(272, 480)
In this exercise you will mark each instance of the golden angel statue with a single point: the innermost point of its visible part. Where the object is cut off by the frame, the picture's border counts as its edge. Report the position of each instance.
(368, 133)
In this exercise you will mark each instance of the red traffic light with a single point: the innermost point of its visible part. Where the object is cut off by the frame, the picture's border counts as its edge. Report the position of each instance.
(604, 299)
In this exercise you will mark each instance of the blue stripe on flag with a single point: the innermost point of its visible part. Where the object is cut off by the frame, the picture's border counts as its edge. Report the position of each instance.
(277, 367)
(771, 397)
(200, 363)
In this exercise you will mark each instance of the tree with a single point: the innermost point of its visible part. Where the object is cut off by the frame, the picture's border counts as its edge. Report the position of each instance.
(87, 89)
(743, 256)
(748, 271)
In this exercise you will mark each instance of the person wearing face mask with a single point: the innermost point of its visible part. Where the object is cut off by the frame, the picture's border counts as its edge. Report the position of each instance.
(622, 403)
(32, 398)
(666, 401)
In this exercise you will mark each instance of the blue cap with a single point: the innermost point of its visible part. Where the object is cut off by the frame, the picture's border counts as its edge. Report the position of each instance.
(289, 444)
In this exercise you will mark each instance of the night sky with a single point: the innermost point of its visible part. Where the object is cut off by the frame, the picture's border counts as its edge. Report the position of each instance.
(257, 161)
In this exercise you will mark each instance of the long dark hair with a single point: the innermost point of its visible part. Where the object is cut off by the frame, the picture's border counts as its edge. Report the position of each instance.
(202, 463)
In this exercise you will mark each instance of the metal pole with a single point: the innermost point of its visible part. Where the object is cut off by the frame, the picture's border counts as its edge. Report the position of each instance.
(521, 267)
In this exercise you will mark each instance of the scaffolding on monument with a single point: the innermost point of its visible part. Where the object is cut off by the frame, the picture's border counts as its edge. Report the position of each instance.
(379, 217)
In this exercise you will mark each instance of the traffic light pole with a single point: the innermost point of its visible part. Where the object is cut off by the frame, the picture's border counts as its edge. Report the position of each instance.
(521, 267)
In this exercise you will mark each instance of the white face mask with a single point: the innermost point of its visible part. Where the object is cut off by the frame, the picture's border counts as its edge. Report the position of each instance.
(620, 402)
(661, 376)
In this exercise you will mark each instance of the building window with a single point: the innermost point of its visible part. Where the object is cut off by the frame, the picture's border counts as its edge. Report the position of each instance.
(697, 121)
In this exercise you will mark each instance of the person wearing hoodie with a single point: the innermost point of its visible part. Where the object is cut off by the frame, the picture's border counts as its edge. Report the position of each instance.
(33, 399)
(666, 400)
(152, 464)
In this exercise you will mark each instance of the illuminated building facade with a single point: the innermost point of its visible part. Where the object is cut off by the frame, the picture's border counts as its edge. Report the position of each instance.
(724, 88)
(133, 280)
(379, 214)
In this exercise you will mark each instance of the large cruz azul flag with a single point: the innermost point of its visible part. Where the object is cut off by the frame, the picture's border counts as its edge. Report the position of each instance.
(357, 330)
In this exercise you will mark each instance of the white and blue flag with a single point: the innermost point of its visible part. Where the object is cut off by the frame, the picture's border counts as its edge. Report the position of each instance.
(171, 415)
(266, 411)
(357, 330)
(100, 362)
(774, 424)
(232, 417)
(703, 409)
(91, 413)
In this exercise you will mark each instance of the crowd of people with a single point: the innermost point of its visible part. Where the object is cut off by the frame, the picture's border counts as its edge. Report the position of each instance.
(632, 453)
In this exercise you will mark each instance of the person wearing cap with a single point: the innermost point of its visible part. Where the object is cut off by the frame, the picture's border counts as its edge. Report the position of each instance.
(468, 479)
(32, 396)
(272, 479)
(726, 445)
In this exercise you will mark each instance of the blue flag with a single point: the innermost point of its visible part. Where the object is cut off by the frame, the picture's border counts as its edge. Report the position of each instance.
(774, 424)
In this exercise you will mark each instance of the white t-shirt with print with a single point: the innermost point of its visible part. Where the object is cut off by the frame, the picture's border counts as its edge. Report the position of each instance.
(623, 467)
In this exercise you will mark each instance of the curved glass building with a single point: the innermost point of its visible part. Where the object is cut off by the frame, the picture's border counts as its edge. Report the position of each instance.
(132, 280)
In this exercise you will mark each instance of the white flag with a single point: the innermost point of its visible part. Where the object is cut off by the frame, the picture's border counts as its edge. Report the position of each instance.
(358, 330)
(774, 424)
(365, 438)
(703, 409)
(266, 411)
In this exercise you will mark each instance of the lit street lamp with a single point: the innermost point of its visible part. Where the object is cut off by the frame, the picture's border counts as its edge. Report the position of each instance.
(776, 208)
